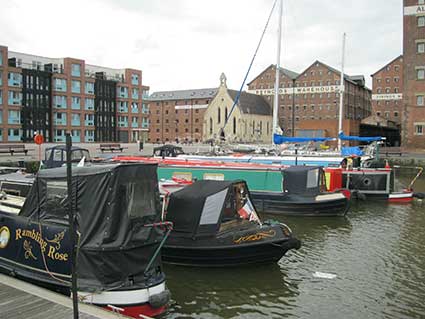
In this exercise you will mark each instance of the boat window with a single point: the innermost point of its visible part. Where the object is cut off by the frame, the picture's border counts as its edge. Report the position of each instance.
(56, 198)
(48, 154)
(214, 176)
(187, 176)
(312, 178)
(57, 155)
(139, 199)
(212, 208)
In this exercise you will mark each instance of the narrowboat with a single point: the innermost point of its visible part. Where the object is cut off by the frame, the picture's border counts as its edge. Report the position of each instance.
(118, 211)
(215, 224)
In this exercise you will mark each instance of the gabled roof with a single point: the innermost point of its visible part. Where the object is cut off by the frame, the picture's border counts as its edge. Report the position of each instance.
(392, 61)
(288, 73)
(251, 103)
(183, 94)
(346, 76)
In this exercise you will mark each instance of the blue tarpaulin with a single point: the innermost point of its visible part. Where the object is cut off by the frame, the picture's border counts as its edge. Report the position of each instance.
(351, 151)
(279, 139)
(359, 138)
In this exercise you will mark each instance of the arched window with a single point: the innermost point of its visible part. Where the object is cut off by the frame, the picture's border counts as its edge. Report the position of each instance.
(253, 127)
(225, 114)
(234, 126)
(211, 125)
(219, 116)
(261, 127)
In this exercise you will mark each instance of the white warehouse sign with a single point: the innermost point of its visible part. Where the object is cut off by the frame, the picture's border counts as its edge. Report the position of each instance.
(381, 97)
(189, 107)
(414, 10)
(299, 90)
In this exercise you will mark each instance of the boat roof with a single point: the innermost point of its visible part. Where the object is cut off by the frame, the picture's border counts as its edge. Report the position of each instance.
(63, 148)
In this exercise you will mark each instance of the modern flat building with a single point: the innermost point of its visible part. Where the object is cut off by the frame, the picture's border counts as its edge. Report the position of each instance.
(387, 91)
(309, 101)
(413, 126)
(177, 116)
(53, 96)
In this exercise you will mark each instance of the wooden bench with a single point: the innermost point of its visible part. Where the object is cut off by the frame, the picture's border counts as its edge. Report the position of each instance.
(13, 148)
(111, 147)
(388, 151)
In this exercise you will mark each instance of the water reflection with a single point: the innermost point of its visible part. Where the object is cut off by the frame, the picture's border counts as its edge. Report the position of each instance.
(257, 291)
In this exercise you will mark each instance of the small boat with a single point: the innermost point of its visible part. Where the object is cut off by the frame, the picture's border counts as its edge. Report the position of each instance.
(304, 194)
(216, 225)
(120, 235)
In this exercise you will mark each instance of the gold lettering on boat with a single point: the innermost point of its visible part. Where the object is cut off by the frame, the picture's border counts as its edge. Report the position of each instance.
(50, 247)
(254, 237)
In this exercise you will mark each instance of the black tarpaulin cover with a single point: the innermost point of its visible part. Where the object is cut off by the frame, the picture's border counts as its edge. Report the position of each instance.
(186, 206)
(302, 179)
(113, 203)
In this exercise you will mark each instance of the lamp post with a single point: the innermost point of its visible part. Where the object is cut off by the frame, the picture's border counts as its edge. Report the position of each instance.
(293, 107)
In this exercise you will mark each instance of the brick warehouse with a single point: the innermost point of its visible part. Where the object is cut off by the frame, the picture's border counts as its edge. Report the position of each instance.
(312, 109)
(387, 91)
(56, 95)
(178, 115)
(414, 73)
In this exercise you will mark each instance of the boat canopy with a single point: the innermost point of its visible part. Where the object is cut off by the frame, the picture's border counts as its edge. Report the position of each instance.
(302, 179)
(56, 156)
(343, 137)
(198, 209)
(168, 150)
(279, 139)
(113, 203)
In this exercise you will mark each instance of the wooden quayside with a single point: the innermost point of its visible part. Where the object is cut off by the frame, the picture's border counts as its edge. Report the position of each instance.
(21, 300)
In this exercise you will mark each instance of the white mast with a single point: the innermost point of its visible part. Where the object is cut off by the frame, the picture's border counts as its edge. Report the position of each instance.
(341, 94)
(276, 84)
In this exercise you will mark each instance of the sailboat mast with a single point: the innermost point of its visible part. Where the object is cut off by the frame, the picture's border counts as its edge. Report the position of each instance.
(341, 94)
(276, 84)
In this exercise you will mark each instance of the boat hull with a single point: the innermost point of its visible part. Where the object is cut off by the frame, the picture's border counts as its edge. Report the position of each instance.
(320, 205)
(233, 250)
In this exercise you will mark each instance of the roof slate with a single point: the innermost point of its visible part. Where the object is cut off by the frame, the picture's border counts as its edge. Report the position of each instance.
(251, 103)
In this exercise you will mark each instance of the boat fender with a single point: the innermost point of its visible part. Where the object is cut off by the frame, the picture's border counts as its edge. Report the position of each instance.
(419, 195)
(161, 299)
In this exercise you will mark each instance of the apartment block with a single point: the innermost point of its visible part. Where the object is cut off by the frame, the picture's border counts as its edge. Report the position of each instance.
(53, 96)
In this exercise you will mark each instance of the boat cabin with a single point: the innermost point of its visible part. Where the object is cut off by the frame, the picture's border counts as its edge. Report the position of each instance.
(207, 207)
(168, 150)
(303, 180)
(56, 156)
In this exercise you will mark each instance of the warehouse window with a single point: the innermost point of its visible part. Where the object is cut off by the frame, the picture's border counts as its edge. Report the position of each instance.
(419, 100)
(420, 47)
(420, 74)
(421, 21)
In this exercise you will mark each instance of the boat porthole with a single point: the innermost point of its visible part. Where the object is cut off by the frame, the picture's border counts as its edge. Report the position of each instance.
(4, 236)
(367, 181)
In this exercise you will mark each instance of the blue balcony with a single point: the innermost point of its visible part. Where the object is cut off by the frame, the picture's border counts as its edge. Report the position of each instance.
(122, 92)
(75, 121)
(122, 123)
(88, 122)
(15, 98)
(134, 109)
(89, 88)
(14, 79)
(76, 138)
(59, 139)
(14, 120)
(76, 86)
(14, 138)
(134, 79)
(145, 95)
(75, 105)
(59, 102)
(135, 94)
(123, 108)
(60, 85)
(89, 136)
(89, 104)
(60, 121)
(134, 124)
(145, 109)
(76, 70)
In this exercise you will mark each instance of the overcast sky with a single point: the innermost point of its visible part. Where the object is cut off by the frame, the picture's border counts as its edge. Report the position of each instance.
(186, 44)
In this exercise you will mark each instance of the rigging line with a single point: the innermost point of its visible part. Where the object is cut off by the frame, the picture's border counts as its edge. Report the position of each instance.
(249, 69)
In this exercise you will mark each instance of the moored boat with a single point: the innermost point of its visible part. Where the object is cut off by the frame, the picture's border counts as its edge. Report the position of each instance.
(119, 265)
(216, 225)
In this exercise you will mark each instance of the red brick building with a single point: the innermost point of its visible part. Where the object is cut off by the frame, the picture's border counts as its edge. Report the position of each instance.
(178, 115)
(413, 130)
(387, 91)
(309, 101)
(57, 95)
